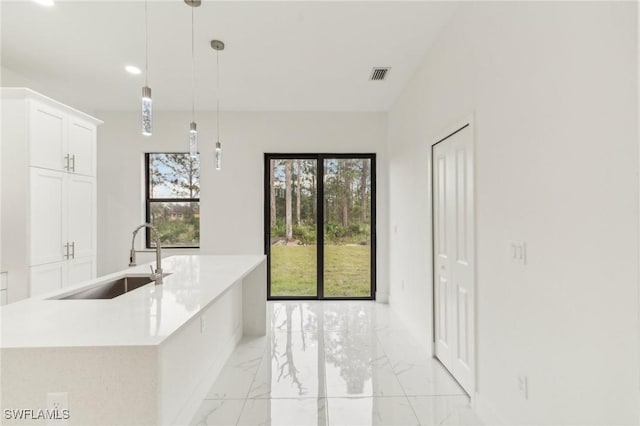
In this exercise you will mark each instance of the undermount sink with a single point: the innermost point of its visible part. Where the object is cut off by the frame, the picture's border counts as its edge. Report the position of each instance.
(109, 289)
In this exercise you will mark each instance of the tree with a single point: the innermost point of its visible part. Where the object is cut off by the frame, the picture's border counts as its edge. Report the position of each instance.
(273, 195)
(363, 190)
(298, 187)
(179, 172)
(345, 172)
(288, 196)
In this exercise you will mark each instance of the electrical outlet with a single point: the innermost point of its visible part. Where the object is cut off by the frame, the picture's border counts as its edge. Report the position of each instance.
(403, 284)
(523, 386)
(58, 408)
(518, 252)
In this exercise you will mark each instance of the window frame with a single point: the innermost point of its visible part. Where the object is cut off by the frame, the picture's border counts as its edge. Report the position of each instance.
(149, 200)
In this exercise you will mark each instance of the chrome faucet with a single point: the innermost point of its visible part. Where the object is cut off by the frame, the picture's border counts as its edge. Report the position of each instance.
(157, 274)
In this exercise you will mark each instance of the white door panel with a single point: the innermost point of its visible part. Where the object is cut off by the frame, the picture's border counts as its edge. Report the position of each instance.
(47, 137)
(81, 205)
(82, 146)
(453, 224)
(48, 216)
(80, 270)
(46, 278)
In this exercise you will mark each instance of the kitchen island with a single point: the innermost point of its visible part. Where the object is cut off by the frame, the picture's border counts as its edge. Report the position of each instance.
(146, 357)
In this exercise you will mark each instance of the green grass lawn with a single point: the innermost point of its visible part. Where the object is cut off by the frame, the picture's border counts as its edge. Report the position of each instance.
(347, 271)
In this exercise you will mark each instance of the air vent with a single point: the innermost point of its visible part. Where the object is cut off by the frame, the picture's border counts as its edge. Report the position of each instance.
(379, 73)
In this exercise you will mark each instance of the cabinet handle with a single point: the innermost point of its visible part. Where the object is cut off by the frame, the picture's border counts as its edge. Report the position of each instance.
(73, 250)
(66, 162)
(66, 255)
(73, 163)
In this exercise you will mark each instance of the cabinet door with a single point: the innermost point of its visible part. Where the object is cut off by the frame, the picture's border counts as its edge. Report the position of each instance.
(81, 211)
(82, 147)
(80, 270)
(47, 137)
(48, 216)
(45, 278)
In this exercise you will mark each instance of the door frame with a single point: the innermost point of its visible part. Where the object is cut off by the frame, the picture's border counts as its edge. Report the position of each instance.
(466, 123)
(319, 157)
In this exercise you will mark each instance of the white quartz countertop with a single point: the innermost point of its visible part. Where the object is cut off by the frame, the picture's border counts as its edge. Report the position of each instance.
(141, 317)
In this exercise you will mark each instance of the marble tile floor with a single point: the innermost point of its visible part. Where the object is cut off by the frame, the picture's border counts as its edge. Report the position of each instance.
(334, 363)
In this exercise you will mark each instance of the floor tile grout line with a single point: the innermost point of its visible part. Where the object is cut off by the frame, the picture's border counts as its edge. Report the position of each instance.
(413, 410)
(443, 395)
(253, 379)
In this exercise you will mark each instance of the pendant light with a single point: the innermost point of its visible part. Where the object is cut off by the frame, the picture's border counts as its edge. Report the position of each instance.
(147, 114)
(218, 45)
(193, 129)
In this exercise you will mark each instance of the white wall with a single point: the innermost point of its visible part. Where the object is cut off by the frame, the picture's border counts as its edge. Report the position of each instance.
(553, 88)
(232, 215)
(48, 86)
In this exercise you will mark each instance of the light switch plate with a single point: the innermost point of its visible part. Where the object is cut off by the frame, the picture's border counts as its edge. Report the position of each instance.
(518, 252)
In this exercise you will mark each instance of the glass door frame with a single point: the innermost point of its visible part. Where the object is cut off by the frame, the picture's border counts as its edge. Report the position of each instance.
(320, 158)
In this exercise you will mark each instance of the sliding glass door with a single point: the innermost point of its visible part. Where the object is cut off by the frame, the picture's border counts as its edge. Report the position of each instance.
(337, 259)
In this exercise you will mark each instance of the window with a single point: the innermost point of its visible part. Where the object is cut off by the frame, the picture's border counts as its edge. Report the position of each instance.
(173, 199)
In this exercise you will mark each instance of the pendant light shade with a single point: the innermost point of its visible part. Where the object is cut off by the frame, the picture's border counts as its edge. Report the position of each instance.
(218, 155)
(147, 112)
(193, 140)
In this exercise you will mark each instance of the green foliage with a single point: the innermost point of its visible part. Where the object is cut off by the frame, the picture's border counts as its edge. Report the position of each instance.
(306, 234)
(334, 231)
(177, 223)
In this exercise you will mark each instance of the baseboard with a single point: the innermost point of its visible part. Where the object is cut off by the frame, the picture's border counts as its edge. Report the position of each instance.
(382, 297)
(487, 413)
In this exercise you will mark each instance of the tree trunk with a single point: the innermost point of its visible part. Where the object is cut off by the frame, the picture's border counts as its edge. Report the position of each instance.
(288, 224)
(345, 194)
(314, 195)
(298, 185)
(273, 195)
(363, 191)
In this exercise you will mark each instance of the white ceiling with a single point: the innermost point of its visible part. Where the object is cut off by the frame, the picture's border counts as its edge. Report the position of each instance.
(295, 56)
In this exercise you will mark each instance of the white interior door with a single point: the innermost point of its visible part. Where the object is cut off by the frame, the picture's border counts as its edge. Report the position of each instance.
(454, 254)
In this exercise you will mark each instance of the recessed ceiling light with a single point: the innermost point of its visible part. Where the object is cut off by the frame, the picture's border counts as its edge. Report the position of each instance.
(132, 70)
(47, 3)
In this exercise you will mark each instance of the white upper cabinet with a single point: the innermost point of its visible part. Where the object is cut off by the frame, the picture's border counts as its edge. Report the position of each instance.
(61, 140)
(82, 147)
(48, 136)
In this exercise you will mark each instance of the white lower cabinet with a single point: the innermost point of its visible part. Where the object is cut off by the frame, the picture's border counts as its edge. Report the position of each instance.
(79, 270)
(48, 277)
(54, 276)
(48, 215)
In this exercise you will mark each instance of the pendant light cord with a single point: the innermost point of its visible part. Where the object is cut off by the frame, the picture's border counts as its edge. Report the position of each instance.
(146, 44)
(218, 95)
(193, 73)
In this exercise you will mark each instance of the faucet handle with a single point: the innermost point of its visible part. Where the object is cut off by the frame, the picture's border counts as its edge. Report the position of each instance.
(153, 274)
